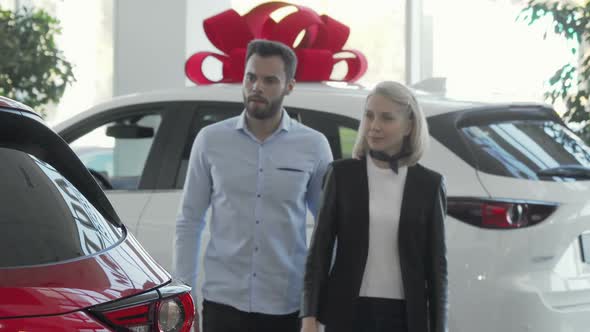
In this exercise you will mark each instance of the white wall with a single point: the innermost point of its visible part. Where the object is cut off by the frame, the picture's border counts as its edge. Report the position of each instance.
(149, 45)
(154, 38)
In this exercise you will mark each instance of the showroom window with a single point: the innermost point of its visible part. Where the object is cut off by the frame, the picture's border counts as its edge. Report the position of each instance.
(86, 40)
(485, 52)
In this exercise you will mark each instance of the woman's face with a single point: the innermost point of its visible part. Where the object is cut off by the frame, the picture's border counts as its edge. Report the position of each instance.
(386, 123)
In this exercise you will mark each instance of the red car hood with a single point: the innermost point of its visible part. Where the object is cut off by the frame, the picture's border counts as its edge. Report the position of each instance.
(119, 272)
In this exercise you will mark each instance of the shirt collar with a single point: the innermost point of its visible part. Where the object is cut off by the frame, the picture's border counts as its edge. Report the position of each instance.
(284, 125)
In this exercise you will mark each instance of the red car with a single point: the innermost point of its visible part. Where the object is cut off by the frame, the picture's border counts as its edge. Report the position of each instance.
(67, 263)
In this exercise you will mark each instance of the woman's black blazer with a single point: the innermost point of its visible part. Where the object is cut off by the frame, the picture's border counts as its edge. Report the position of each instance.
(329, 293)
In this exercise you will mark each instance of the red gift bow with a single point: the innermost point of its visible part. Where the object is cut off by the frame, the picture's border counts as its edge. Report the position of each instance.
(323, 40)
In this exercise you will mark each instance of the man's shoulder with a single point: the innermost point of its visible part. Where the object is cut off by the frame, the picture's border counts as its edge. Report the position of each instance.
(301, 129)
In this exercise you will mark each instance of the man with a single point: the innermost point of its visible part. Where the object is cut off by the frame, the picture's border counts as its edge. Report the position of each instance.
(259, 172)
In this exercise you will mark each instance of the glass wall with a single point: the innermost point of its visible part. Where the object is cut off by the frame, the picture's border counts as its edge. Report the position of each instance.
(478, 45)
(87, 42)
(485, 52)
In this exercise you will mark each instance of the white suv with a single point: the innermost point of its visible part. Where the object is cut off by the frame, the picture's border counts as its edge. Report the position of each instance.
(518, 230)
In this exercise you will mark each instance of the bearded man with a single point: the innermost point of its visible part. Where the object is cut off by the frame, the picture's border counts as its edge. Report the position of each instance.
(259, 172)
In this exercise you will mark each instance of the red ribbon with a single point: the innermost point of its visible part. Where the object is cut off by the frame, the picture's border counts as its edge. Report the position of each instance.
(323, 40)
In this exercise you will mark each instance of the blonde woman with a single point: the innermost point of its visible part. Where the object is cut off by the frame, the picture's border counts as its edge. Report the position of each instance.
(383, 215)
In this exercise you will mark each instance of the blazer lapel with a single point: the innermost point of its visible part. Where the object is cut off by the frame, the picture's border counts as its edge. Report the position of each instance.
(363, 188)
(409, 193)
(363, 200)
(407, 218)
(362, 217)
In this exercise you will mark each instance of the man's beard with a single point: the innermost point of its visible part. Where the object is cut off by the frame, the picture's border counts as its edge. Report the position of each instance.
(266, 110)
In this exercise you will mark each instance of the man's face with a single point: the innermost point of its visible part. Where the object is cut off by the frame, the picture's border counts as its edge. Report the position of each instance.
(265, 85)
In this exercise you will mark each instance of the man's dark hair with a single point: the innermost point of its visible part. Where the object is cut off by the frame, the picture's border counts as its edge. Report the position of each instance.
(265, 48)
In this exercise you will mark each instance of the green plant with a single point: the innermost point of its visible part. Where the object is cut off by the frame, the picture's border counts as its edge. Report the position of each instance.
(571, 82)
(32, 69)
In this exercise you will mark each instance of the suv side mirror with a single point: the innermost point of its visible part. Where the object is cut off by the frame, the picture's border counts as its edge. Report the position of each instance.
(129, 131)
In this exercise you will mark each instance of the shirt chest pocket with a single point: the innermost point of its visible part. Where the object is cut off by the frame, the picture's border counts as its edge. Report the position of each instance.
(288, 183)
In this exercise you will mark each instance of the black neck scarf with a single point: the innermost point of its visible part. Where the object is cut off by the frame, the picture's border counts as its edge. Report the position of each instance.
(392, 160)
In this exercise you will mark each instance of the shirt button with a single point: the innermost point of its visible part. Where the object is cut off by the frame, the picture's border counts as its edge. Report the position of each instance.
(256, 249)
(257, 221)
(258, 195)
(254, 275)
(260, 170)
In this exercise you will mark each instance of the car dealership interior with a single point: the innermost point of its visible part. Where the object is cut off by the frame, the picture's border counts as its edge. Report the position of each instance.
(168, 165)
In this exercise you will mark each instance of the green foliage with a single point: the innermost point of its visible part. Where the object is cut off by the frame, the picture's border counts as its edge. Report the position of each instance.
(571, 82)
(32, 69)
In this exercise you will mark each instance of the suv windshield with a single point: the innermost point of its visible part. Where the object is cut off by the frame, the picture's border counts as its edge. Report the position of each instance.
(527, 149)
(43, 217)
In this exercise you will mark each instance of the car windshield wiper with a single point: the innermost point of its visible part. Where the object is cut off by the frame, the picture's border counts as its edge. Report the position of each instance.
(568, 171)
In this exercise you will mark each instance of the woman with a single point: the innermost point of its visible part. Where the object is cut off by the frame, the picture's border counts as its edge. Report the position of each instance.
(384, 213)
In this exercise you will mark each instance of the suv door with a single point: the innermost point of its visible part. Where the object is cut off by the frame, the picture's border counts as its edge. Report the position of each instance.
(123, 148)
(157, 225)
(156, 229)
(341, 134)
(338, 129)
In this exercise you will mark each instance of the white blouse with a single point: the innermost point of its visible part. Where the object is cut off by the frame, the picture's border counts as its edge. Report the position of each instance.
(382, 276)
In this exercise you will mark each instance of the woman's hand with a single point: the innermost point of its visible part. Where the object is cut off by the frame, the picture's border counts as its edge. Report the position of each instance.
(310, 324)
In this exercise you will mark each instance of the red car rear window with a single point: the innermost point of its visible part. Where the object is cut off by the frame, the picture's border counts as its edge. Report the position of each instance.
(43, 217)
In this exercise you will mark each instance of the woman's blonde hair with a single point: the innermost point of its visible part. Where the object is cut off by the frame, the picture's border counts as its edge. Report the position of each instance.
(417, 141)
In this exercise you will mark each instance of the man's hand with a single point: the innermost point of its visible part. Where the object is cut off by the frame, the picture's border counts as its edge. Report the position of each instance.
(310, 324)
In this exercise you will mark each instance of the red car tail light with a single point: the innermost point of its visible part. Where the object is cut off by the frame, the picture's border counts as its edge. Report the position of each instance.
(499, 214)
(173, 313)
(168, 309)
(136, 319)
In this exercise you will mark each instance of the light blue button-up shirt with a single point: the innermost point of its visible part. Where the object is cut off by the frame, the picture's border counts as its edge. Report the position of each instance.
(259, 193)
